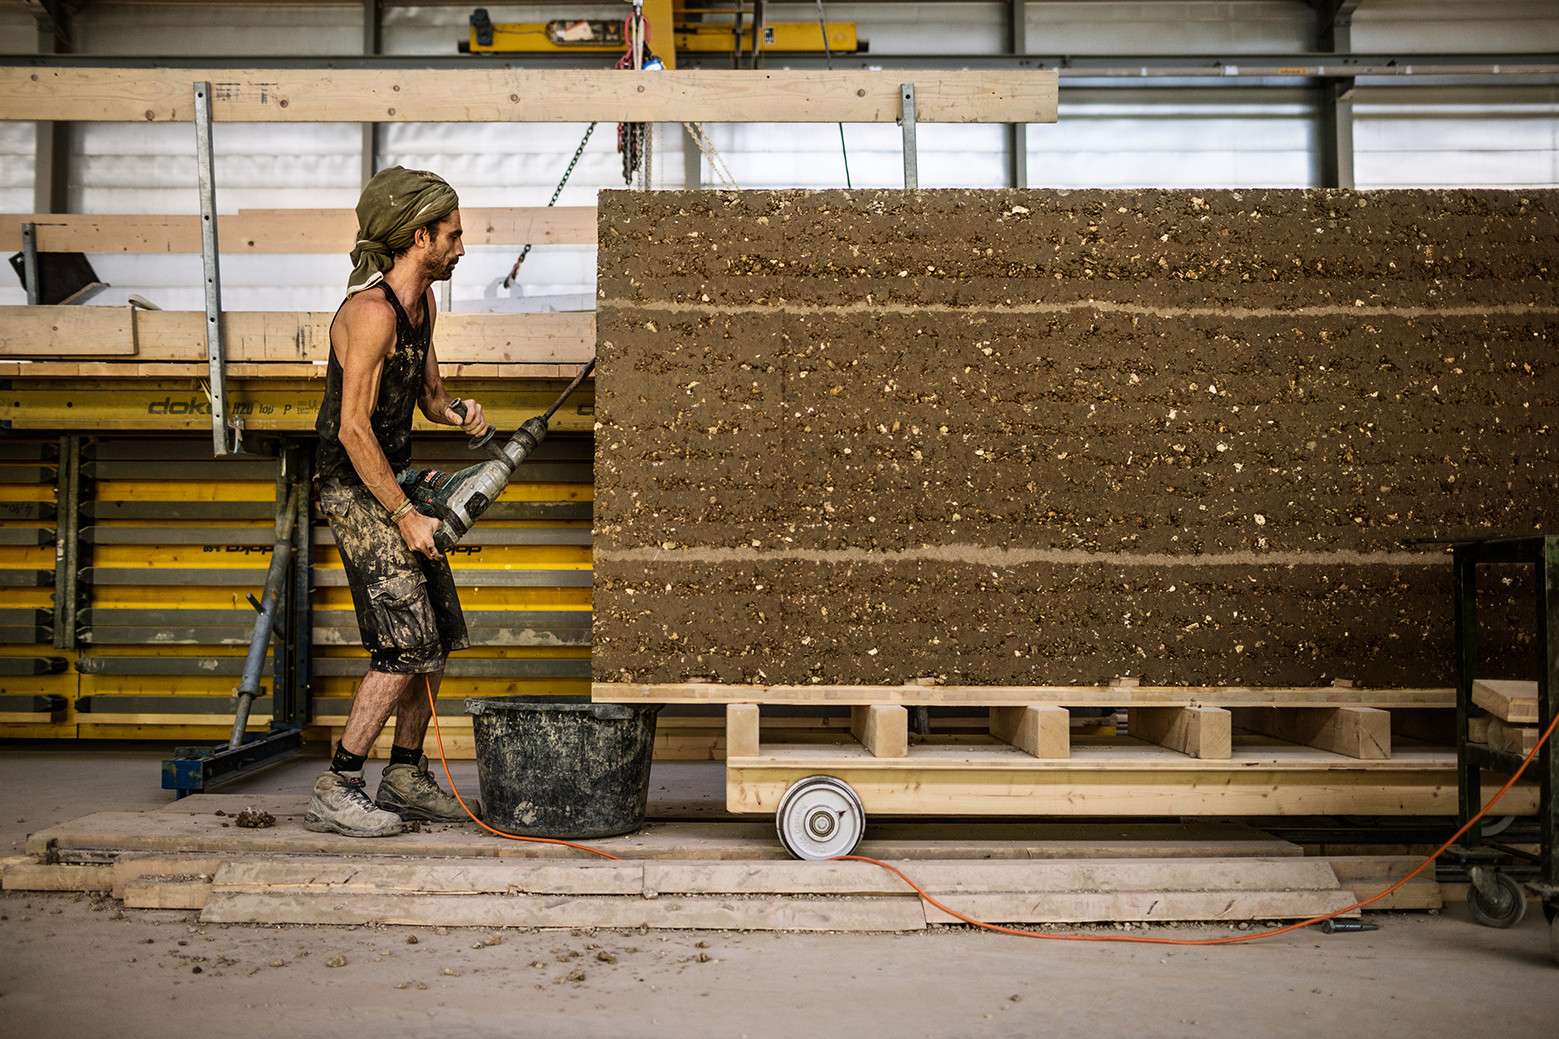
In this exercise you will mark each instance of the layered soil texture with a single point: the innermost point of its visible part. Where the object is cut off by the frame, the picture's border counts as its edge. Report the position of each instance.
(1049, 437)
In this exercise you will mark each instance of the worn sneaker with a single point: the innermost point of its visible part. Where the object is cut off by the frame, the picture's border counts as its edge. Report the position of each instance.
(340, 805)
(411, 792)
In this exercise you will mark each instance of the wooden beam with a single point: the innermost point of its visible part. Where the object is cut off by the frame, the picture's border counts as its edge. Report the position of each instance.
(1358, 732)
(1057, 789)
(741, 730)
(281, 230)
(883, 729)
(1020, 695)
(1508, 701)
(256, 336)
(527, 95)
(1201, 732)
(1044, 732)
(1512, 739)
(53, 332)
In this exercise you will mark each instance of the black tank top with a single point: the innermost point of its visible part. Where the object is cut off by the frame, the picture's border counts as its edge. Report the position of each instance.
(400, 385)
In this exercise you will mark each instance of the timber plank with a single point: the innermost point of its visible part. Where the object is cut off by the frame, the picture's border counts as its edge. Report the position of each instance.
(328, 876)
(883, 729)
(741, 730)
(148, 869)
(48, 877)
(1357, 732)
(1365, 875)
(1042, 732)
(1019, 696)
(773, 913)
(280, 230)
(964, 877)
(1512, 739)
(159, 893)
(1143, 906)
(525, 95)
(1509, 701)
(1200, 732)
(54, 332)
(279, 336)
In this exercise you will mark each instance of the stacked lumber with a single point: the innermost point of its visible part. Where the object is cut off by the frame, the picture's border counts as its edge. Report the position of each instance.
(1511, 725)
(715, 874)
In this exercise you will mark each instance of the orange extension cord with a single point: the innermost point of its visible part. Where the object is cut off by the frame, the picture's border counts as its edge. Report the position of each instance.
(1019, 932)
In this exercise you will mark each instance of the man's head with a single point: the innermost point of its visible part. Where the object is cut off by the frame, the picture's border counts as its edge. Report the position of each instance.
(405, 213)
(435, 247)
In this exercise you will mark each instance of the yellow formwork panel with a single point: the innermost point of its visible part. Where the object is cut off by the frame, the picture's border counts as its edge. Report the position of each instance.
(185, 490)
(470, 561)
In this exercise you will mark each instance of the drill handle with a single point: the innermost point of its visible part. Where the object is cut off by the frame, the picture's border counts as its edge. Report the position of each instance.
(475, 443)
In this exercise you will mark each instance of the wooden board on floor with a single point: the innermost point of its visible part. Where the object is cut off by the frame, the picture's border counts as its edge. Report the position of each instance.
(1366, 875)
(763, 913)
(655, 878)
(1141, 906)
(50, 877)
(526, 95)
(183, 837)
(1020, 696)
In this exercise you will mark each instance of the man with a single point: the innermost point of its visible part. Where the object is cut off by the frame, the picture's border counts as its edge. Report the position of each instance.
(381, 366)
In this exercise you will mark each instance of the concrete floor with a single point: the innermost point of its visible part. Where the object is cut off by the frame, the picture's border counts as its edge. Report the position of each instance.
(76, 965)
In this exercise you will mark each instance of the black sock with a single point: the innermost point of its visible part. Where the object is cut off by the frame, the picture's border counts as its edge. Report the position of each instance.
(405, 755)
(346, 761)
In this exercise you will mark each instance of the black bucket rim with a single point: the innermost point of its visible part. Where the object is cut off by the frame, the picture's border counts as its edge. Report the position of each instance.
(553, 705)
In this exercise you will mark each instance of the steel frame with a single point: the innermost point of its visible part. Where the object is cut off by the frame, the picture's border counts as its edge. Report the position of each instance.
(1541, 553)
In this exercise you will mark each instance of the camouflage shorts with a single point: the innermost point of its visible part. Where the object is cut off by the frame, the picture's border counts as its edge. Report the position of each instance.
(407, 609)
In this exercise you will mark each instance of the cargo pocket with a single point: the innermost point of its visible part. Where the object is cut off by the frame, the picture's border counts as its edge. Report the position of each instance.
(403, 618)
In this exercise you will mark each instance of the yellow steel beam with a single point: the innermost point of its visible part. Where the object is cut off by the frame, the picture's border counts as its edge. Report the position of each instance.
(266, 405)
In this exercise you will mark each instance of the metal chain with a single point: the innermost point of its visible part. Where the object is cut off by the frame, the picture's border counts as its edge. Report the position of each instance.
(556, 192)
(716, 163)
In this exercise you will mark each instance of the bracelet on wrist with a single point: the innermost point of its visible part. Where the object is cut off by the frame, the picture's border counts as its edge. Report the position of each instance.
(399, 512)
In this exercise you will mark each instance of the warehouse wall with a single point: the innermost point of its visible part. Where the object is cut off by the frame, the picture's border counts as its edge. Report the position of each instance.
(1114, 137)
(1054, 437)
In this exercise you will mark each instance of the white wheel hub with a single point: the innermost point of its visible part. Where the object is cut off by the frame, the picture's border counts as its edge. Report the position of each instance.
(820, 817)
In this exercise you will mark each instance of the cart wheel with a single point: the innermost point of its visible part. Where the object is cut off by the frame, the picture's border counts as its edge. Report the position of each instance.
(1495, 827)
(820, 817)
(1495, 899)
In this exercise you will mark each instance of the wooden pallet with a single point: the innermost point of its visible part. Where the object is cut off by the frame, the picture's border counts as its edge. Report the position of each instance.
(1177, 758)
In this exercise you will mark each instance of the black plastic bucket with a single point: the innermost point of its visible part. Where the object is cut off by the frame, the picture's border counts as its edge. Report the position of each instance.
(562, 768)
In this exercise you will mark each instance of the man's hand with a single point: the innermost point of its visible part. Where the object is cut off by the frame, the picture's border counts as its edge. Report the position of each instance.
(417, 531)
(474, 424)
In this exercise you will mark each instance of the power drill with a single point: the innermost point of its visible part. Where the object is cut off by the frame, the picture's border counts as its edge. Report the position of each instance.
(457, 499)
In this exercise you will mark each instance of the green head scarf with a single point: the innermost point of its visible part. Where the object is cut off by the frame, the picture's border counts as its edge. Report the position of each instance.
(394, 204)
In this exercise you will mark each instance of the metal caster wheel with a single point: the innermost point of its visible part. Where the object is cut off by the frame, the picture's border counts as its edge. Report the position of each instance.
(1495, 827)
(820, 818)
(1494, 898)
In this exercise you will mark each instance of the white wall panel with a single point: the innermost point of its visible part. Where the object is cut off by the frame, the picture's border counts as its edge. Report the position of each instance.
(1145, 138)
(1160, 27)
(1467, 137)
(1456, 25)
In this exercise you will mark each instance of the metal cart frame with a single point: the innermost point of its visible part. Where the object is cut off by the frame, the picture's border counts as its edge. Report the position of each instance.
(1495, 897)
